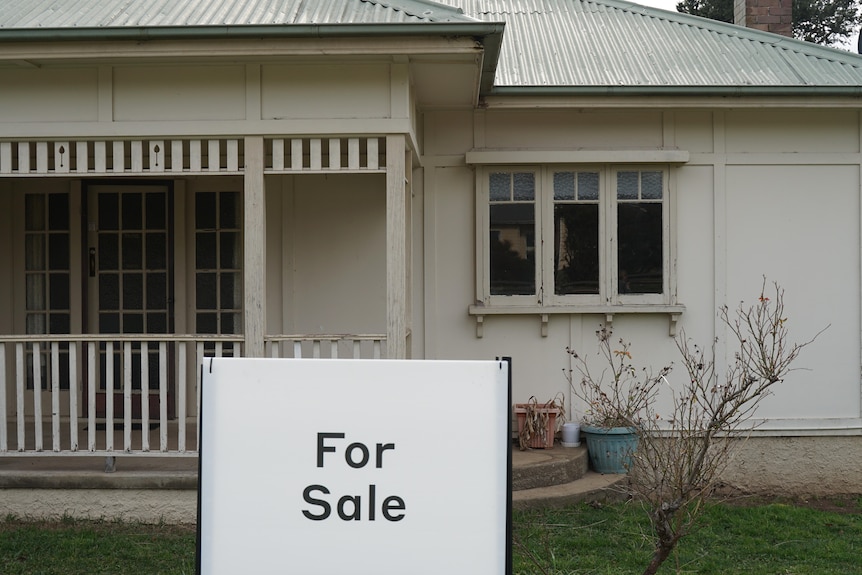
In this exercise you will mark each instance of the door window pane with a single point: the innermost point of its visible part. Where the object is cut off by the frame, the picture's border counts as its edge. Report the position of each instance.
(218, 261)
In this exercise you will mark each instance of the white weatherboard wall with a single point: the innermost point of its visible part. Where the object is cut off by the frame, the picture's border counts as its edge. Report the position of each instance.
(337, 466)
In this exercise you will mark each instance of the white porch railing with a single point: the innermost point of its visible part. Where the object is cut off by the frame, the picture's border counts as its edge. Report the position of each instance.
(59, 394)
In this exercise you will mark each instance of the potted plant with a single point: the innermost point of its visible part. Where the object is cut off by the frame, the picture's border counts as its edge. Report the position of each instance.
(616, 400)
(537, 422)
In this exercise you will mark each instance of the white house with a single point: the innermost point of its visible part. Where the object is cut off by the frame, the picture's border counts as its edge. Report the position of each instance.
(462, 179)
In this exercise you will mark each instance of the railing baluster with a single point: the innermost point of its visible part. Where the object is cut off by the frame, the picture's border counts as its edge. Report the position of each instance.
(20, 376)
(4, 439)
(296, 160)
(334, 154)
(278, 154)
(127, 396)
(316, 161)
(213, 155)
(137, 156)
(109, 396)
(119, 156)
(82, 158)
(232, 155)
(55, 396)
(195, 155)
(92, 358)
(37, 396)
(163, 396)
(181, 398)
(73, 396)
(177, 160)
(372, 158)
(23, 157)
(353, 153)
(297, 349)
(145, 396)
(199, 360)
(357, 349)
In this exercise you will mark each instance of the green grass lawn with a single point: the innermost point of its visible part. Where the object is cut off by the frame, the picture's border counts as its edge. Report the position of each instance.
(764, 539)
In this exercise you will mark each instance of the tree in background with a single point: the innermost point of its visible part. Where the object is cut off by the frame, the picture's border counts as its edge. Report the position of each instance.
(825, 22)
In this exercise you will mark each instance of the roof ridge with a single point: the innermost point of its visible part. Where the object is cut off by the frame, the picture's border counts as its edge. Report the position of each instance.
(426, 9)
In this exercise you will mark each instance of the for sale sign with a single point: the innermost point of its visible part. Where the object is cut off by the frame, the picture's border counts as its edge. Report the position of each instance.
(329, 467)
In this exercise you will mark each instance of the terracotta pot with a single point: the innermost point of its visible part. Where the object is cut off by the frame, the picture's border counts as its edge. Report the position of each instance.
(538, 440)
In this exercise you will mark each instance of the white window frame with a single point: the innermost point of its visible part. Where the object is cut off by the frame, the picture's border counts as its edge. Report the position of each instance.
(545, 300)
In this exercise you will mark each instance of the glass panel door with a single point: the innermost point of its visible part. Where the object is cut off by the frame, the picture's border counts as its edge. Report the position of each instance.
(130, 287)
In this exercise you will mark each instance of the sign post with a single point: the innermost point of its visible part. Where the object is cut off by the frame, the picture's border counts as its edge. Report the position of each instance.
(354, 466)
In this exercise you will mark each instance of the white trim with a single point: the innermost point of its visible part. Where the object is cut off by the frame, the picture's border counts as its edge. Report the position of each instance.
(491, 156)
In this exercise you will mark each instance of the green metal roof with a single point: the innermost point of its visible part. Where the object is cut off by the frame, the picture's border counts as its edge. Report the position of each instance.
(617, 47)
(604, 47)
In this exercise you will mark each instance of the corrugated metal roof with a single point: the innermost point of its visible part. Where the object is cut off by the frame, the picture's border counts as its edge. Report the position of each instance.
(612, 43)
(610, 46)
(23, 14)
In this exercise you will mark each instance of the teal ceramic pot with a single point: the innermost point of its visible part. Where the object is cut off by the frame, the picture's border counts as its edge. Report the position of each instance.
(610, 448)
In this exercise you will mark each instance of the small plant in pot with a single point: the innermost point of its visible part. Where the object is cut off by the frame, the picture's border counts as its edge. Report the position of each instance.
(616, 401)
(538, 422)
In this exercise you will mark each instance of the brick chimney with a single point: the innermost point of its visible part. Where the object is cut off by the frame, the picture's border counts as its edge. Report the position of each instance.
(774, 16)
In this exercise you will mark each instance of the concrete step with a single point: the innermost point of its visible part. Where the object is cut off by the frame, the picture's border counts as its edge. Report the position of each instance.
(589, 488)
(546, 467)
(557, 477)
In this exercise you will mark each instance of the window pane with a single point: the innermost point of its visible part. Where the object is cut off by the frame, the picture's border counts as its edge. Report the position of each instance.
(640, 248)
(157, 289)
(588, 186)
(627, 185)
(34, 246)
(230, 323)
(156, 256)
(133, 323)
(133, 291)
(500, 187)
(58, 289)
(205, 250)
(230, 297)
(35, 323)
(205, 210)
(576, 248)
(155, 206)
(132, 247)
(35, 292)
(228, 213)
(207, 323)
(59, 323)
(132, 211)
(564, 185)
(109, 252)
(157, 323)
(229, 250)
(513, 247)
(524, 186)
(206, 291)
(58, 212)
(109, 323)
(34, 219)
(109, 291)
(58, 251)
(651, 185)
(109, 207)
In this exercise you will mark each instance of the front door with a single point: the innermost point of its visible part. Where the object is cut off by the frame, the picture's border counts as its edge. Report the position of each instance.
(130, 283)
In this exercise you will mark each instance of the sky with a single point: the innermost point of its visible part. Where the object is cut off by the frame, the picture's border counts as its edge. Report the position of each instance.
(671, 5)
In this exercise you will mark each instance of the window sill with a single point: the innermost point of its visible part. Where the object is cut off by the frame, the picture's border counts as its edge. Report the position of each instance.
(479, 311)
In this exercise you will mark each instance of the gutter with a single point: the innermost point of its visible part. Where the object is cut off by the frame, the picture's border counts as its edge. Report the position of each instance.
(726, 91)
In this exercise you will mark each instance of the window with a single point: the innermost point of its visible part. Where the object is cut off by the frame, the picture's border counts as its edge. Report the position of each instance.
(47, 278)
(218, 270)
(569, 236)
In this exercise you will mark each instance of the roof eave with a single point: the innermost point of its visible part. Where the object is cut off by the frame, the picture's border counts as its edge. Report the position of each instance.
(705, 91)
